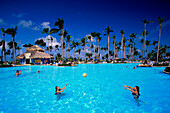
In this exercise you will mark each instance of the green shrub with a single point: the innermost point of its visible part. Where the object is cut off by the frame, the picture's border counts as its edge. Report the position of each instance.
(32, 63)
(5, 65)
(163, 64)
(167, 69)
(64, 64)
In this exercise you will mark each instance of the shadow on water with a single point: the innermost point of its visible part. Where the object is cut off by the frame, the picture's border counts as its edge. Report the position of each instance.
(139, 102)
(59, 95)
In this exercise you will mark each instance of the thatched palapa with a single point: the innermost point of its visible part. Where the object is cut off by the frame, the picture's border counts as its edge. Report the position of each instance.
(35, 55)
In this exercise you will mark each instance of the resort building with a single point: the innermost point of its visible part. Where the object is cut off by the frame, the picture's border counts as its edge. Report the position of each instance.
(34, 55)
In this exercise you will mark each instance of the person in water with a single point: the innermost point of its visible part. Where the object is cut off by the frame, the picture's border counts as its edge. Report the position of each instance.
(18, 73)
(59, 90)
(38, 71)
(135, 91)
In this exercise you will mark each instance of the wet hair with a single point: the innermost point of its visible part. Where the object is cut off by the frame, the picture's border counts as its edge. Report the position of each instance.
(56, 88)
(137, 87)
(17, 71)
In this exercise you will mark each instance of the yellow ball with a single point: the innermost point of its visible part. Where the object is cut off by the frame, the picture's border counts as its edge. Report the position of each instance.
(84, 74)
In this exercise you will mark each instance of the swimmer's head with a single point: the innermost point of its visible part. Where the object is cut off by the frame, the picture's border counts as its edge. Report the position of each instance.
(17, 71)
(56, 88)
(38, 71)
(137, 89)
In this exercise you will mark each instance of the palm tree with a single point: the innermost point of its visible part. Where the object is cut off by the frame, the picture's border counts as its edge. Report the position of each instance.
(83, 43)
(118, 48)
(8, 53)
(1, 50)
(60, 24)
(102, 49)
(46, 30)
(115, 49)
(89, 37)
(77, 45)
(27, 45)
(18, 48)
(57, 48)
(78, 51)
(3, 44)
(154, 43)
(68, 37)
(93, 34)
(141, 41)
(147, 44)
(108, 30)
(64, 35)
(160, 24)
(114, 37)
(105, 48)
(51, 43)
(143, 34)
(124, 45)
(145, 22)
(12, 32)
(122, 32)
(98, 39)
(133, 36)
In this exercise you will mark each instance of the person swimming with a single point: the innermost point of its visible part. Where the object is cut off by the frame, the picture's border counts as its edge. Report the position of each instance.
(18, 72)
(59, 90)
(38, 71)
(135, 91)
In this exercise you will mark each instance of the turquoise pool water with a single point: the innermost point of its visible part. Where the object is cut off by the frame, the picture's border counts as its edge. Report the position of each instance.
(102, 91)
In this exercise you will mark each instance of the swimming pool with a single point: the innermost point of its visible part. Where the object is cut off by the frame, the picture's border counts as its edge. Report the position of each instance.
(102, 91)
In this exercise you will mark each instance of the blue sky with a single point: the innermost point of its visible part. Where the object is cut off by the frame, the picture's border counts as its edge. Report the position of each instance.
(84, 16)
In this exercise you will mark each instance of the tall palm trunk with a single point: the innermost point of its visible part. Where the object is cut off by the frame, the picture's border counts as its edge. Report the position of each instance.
(121, 47)
(124, 51)
(4, 47)
(90, 46)
(61, 40)
(93, 51)
(51, 46)
(79, 56)
(142, 51)
(158, 43)
(73, 54)
(145, 40)
(68, 50)
(114, 50)
(13, 50)
(48, 45)
(65, 49)
(98, 50)
(105, 55)
(2, 54)
(85, 50)
(133, 50)
(148, 49)
(130, 51)
(108, 48)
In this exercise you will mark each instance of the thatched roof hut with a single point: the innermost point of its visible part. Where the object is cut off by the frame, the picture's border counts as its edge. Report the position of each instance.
(34, 52)
(35, 48)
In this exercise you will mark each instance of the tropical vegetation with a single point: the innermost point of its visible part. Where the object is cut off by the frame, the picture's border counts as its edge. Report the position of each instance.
(89, 48)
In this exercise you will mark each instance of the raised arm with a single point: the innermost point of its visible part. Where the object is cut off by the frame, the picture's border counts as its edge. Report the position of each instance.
(128, 87)
(62, 88)
(130, 90)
